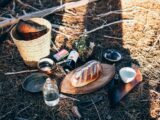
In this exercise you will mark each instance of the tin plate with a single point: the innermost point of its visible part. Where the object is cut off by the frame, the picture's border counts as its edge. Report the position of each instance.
(34, 82)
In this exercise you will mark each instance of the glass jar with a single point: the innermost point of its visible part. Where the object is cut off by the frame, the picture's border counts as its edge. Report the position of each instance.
(51, 92)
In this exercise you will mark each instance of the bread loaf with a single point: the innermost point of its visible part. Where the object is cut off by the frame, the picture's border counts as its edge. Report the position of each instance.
(86, 74)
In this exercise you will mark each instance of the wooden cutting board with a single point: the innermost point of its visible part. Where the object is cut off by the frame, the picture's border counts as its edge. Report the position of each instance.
(119, 91)
(108, 74)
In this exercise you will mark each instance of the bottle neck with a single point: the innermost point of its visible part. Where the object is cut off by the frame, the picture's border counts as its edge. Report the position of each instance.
(49, 83)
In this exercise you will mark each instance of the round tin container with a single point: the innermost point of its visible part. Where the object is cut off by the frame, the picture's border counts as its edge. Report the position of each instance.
(46, 65)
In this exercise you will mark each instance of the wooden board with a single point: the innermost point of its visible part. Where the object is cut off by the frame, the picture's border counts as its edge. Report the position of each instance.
(108, 74)
(122, 89)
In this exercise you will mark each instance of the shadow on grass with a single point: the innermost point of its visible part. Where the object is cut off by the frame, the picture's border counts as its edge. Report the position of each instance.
(132, 106)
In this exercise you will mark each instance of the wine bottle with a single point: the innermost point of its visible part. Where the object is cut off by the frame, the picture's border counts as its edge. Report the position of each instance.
(71, 61)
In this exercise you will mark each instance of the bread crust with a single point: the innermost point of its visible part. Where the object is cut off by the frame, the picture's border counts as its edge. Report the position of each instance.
(86, 74)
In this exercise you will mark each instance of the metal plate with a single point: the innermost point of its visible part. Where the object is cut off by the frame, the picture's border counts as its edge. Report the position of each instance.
(34, 82)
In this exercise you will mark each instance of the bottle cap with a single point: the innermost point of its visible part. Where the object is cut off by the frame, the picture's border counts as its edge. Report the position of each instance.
(48, 80)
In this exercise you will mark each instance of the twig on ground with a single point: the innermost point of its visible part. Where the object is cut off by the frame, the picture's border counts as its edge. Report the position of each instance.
(10, 15)
(45, 12)
(96, 109)
(20, 118)
(70, 12)
(3, 116)
(20, 72)
(26, 5)
(112, 37)
(155, 92)
(40, 3)
(109, 13)
(54, 46)
(106, 25)
(61, 27)
(2, 57)
(76, 15)
(130, 115)
(61, 62)
(24, 109)
(117, 11)
(57, 26)
(67, 36)
(65, 96)
(124, 11)
(155, 43)
(143, 8)
(76, 112)
(64, 28)
(3, 18)
(24, 12)
(14, 5)
(145, 100)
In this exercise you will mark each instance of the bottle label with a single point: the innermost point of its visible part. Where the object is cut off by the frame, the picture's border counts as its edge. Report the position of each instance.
(60, 55)
(73, 55)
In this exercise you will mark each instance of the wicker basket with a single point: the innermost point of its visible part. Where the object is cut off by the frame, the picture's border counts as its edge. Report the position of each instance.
(33, 50)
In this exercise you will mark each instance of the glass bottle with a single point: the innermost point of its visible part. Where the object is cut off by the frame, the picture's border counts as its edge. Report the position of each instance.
(51, 92)
(71, 61)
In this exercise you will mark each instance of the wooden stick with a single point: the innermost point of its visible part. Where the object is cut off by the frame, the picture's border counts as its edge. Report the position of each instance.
(96, 109)
(63, 27)
(67, 36)
(45, 12)
(20, 72)
(155, 43)
(40, 3)
(106, 25)
(116, 12)
(112, 37)
(3, 116)
(26, 5)
(20, 118)
(14, 5)
(68, 97)
(3, 18)
(54, 46)
(24, 109)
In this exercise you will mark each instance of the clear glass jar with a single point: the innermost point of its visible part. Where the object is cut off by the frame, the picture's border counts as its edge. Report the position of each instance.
(51, 92)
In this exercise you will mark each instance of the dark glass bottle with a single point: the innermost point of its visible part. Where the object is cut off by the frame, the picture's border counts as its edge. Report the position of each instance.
(71, 61)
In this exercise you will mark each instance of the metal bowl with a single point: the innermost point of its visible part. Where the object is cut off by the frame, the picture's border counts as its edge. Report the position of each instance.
(34, 82)
(46, 65)
(112, 55)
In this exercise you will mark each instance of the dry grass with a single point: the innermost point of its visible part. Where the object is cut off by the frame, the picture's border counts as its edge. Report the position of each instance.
(138, 45)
